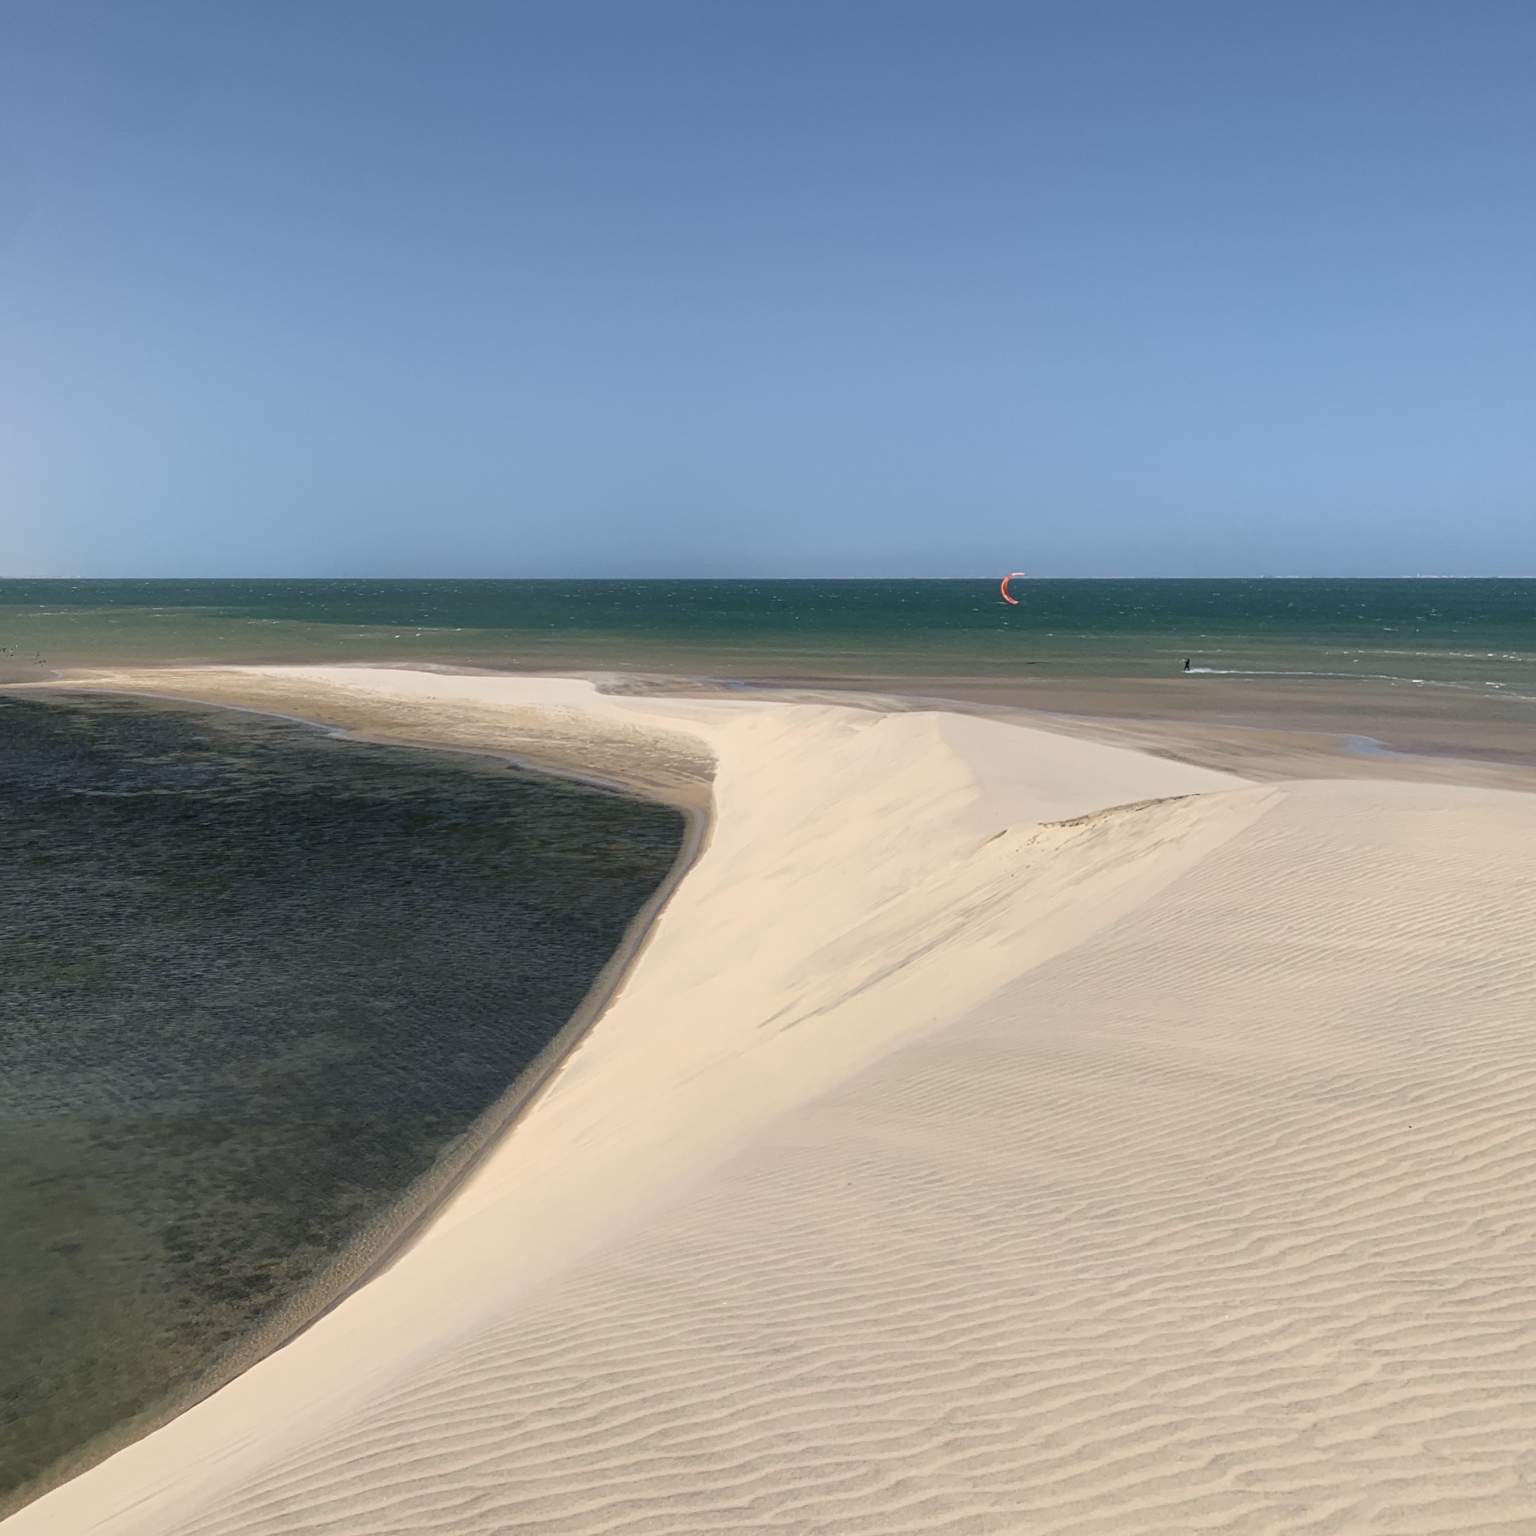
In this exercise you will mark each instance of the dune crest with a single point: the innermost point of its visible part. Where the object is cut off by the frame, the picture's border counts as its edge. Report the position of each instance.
(1000, 1132)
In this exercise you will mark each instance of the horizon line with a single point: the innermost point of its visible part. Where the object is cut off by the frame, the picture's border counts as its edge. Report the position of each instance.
(991, 576)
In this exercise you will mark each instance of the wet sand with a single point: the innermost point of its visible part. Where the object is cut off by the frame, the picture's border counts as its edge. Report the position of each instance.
(1260, 728)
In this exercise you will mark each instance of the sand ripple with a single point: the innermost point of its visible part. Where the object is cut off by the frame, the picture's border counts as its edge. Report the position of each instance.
(1224, 1220)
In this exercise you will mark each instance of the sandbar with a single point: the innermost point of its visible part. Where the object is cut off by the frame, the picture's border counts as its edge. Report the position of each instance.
(1003, 1129)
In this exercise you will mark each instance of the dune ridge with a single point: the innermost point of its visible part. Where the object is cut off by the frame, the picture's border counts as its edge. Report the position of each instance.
(1001, 1132)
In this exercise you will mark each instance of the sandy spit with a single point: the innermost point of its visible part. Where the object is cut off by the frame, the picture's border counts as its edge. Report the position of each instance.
(1001, 1131)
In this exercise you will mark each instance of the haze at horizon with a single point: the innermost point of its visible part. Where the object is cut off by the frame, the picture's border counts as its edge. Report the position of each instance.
(700, 290)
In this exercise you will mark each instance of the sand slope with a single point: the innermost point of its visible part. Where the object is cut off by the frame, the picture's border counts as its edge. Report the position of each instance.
(971, 1151)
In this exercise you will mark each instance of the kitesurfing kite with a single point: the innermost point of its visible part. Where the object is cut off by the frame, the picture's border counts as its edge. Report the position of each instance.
(1008, 596)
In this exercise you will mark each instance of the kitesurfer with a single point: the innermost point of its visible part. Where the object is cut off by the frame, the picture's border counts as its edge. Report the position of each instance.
(1186, 663)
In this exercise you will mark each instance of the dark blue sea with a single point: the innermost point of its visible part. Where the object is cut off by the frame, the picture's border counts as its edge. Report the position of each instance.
(1478, 634)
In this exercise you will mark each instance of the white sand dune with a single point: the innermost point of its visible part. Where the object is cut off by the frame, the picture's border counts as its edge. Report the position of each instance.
(1000, 1132)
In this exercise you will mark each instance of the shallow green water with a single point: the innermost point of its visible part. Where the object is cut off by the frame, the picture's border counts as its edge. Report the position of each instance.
(254, 982)
(1476, 633)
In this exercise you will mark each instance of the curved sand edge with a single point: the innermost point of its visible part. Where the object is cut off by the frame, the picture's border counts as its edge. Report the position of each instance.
(927, 1245)
(377, 1246)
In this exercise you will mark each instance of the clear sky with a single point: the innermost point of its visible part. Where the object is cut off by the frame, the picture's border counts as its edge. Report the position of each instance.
(767, 288)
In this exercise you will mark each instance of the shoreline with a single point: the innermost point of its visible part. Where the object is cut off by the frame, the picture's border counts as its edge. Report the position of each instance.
(381, 1244)
(1311, 730)
(980, 1078)
(521, 1097)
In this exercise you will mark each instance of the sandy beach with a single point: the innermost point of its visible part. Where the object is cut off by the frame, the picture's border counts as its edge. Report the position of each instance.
(1000, 1129)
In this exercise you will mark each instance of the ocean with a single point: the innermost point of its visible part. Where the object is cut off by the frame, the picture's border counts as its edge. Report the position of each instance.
(257, 983)
(1464, 634)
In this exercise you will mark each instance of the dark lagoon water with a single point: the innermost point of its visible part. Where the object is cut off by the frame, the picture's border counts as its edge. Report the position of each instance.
(1466, 633)
(255, 983)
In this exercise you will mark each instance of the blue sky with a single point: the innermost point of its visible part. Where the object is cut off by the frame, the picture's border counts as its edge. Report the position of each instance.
(767, 289)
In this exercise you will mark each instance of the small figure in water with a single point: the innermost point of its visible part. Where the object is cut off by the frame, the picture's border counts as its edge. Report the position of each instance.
(1186, 663)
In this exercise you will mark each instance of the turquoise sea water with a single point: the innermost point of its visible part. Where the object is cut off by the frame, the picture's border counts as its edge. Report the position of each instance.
(1472, 633)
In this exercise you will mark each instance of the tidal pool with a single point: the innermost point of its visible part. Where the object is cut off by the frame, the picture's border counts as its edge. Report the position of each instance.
(256, 983)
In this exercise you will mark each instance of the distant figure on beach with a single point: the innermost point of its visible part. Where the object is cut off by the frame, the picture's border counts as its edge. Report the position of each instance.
(1186, 663)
